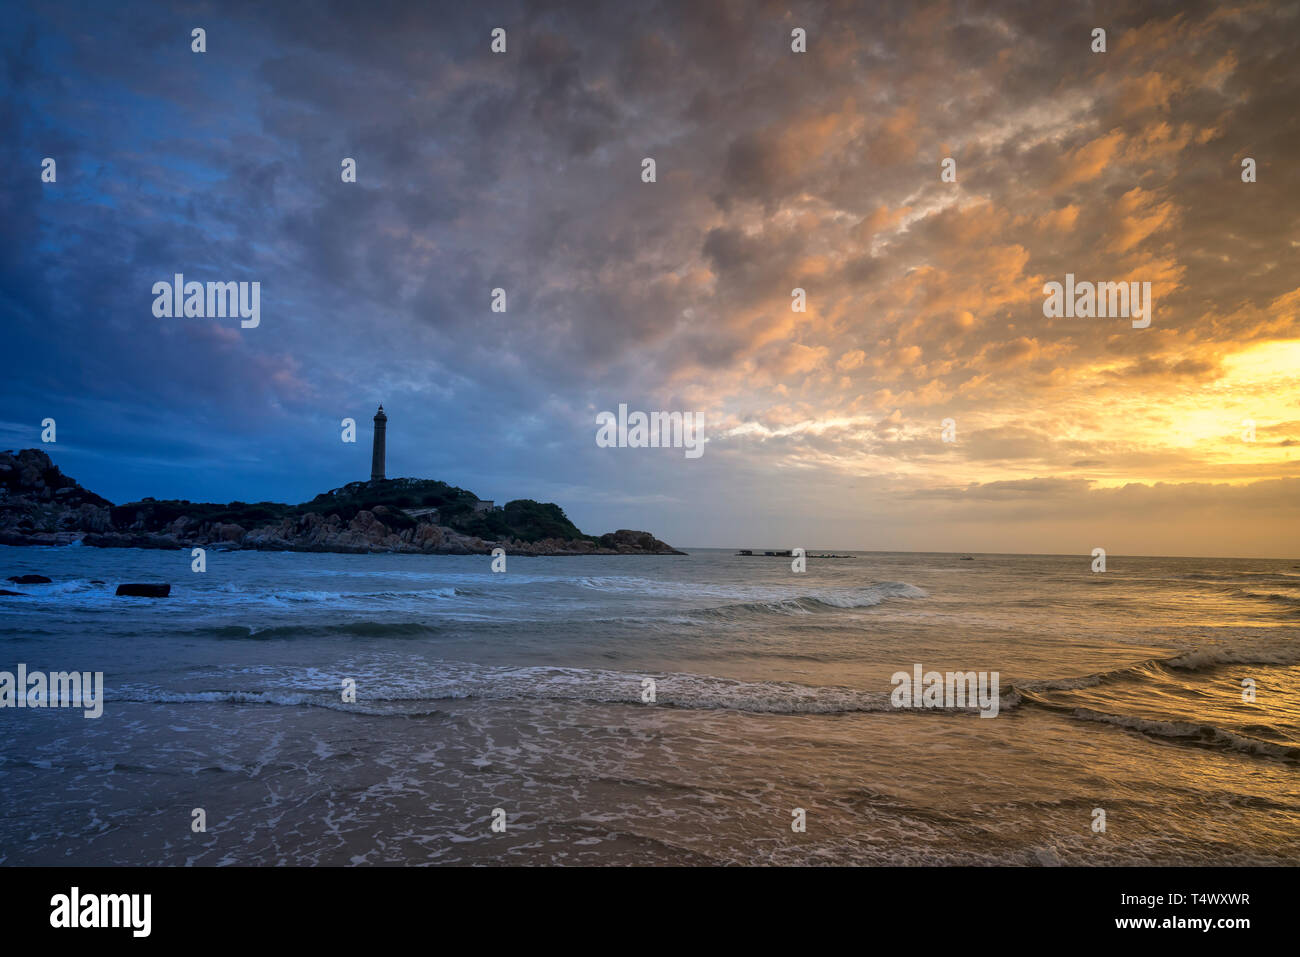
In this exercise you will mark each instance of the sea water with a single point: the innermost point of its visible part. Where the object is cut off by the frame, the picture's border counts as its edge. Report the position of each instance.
(652, 710)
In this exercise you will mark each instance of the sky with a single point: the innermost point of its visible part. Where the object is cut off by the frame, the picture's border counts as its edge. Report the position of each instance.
(774, 170)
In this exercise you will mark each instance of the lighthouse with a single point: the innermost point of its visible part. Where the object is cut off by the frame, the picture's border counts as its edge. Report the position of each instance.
(377, 455)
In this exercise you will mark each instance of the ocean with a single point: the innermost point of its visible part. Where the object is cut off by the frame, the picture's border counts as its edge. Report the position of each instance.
(519, 699)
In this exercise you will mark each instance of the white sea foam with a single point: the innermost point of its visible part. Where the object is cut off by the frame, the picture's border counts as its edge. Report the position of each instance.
(454, 681)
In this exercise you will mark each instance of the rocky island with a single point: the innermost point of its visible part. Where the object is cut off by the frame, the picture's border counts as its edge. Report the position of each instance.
(39, 505)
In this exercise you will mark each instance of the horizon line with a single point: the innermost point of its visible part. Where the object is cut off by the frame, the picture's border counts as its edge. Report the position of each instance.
(913, 551)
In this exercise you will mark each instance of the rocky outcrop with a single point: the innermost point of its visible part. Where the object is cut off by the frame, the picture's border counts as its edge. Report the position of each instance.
(367, 532)
(627, 542)
(41, 506)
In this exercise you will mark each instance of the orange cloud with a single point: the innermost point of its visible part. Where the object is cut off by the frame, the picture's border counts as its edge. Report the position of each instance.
(1088, 161)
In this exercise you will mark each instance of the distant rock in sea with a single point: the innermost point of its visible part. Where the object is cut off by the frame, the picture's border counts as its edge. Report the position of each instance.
(145, 590)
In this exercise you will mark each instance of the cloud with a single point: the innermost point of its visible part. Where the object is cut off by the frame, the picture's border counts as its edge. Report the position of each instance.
(775, 170)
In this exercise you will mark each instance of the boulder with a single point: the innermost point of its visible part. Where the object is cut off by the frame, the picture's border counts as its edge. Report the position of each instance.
(145, 591)
(29, 579)
(427, 536)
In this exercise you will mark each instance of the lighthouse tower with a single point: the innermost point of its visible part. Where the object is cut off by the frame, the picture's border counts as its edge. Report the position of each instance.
(377, 455)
